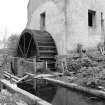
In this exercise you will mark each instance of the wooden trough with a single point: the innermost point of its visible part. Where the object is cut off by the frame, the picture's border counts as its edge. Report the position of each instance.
(70, 88)
(29, 98)
(95, 92)
(52, 79)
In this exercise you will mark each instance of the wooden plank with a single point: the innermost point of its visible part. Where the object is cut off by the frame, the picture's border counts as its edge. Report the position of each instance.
(33, 98)
(44, 75)
(34, 76)
(96, 92)
(12, 76)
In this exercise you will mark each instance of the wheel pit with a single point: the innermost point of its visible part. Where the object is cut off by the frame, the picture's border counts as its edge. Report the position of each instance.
(45, 92)
(41, 46)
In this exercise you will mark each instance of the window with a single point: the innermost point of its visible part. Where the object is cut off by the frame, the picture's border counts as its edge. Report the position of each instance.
(91, 18)
(42, 21)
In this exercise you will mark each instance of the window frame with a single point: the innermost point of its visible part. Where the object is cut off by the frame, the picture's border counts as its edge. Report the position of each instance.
(91, 18)
(42, 21)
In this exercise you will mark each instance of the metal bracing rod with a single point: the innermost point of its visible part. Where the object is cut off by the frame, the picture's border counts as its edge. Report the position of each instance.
(66, 24)
(24, 44)
(21, 50)
(31, 50)
(29, 46)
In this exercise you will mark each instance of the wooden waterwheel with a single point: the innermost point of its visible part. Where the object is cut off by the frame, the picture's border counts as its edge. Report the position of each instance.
(35, 43)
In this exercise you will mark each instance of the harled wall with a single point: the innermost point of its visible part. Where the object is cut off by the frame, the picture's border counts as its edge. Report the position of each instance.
(67, 36)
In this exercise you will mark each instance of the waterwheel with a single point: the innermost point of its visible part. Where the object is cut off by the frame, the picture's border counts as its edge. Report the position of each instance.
(35, 43)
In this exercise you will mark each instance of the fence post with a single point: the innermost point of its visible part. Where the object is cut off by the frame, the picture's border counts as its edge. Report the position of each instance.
(35, 69)
(46, 66)
(34, 62)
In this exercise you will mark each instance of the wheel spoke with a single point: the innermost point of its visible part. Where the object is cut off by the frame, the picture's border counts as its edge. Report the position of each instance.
(21, 50)
(28, 46)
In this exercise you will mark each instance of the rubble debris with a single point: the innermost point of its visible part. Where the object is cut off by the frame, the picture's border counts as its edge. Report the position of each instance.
(7, 98)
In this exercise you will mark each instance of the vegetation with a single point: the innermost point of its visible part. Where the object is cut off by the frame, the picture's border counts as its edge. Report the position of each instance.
(86, 67)
(6, 98)
(11, 44)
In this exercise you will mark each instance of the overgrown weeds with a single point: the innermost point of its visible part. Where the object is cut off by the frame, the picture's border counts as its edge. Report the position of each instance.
(88, 69)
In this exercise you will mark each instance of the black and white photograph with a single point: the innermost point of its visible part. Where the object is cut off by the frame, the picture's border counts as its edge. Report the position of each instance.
(52, 52)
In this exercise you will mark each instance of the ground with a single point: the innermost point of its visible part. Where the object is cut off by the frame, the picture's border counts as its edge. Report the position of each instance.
(6, 98)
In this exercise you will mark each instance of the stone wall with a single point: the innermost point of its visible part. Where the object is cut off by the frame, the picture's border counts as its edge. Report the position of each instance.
(54, 23)
(32, 6)
(76, 30)
(78, 16)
